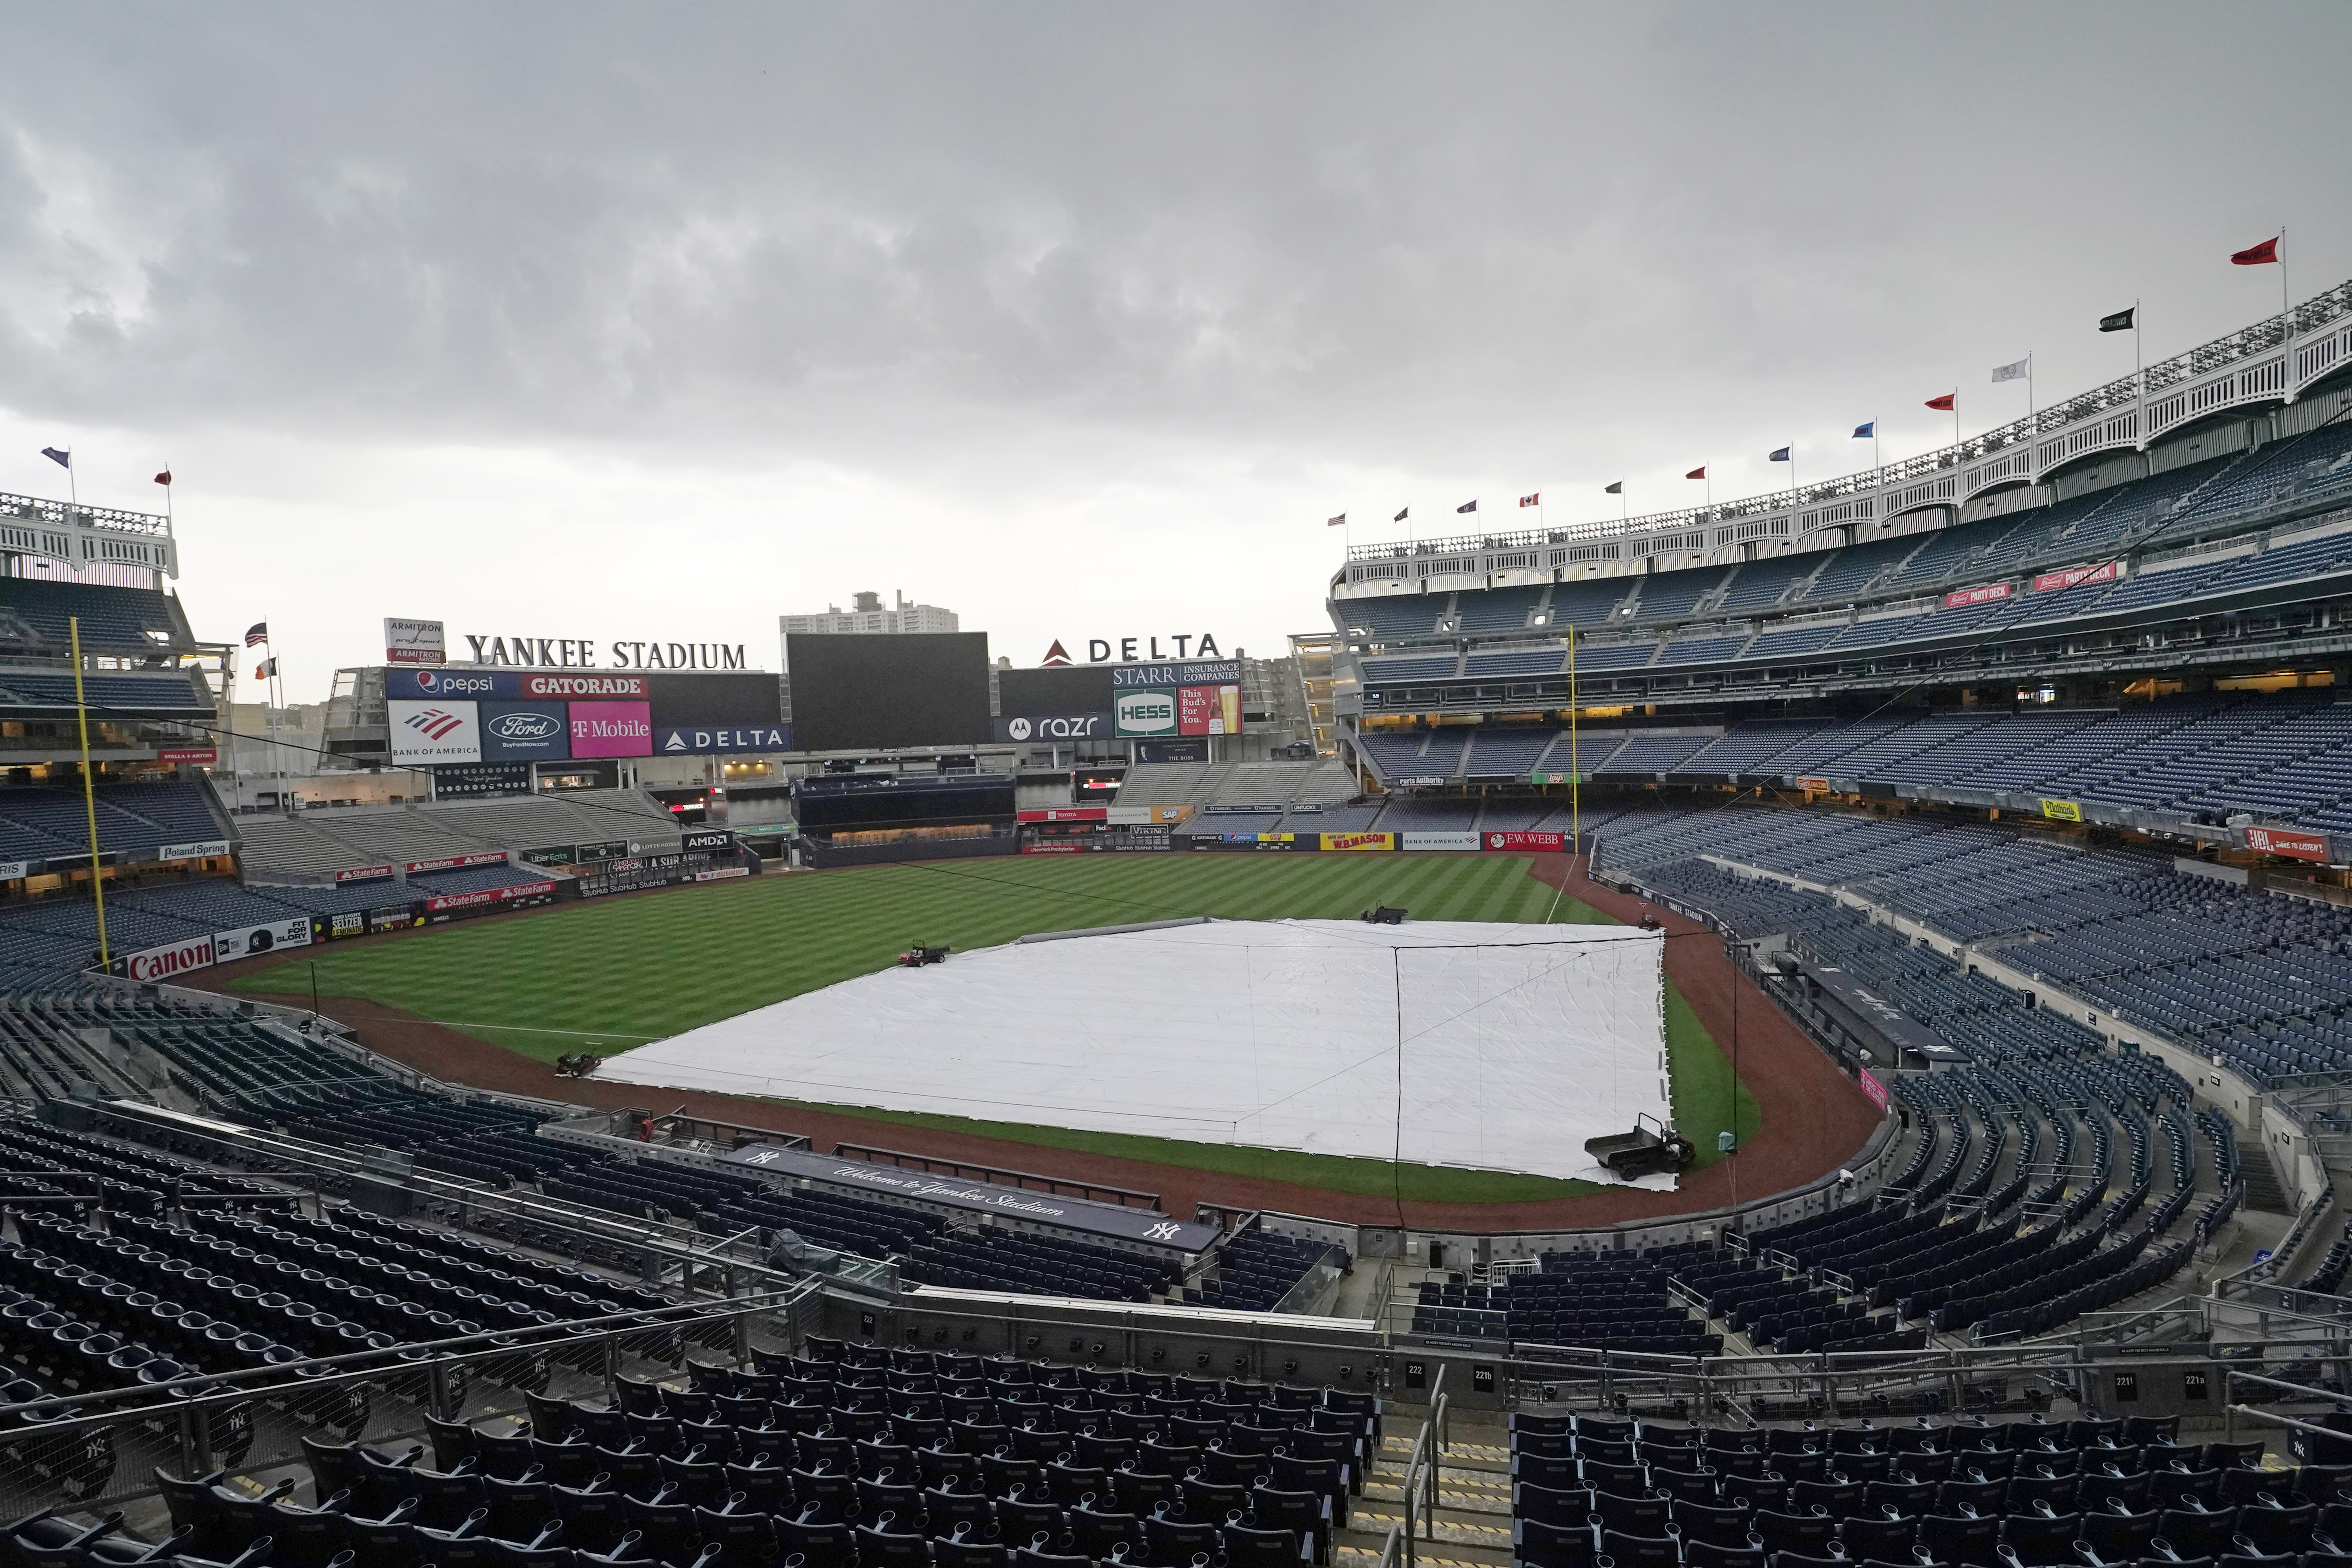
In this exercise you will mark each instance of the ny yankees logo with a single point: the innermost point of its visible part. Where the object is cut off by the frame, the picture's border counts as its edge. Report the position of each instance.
(1164, 1231)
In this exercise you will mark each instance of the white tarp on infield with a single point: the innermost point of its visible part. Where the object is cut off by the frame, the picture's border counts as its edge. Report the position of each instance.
(1519, 1041)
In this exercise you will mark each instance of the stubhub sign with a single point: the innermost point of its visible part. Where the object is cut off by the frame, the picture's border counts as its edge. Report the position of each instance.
(711, 740)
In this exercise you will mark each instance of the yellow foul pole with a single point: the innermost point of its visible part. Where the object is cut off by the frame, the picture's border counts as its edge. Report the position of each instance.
(89, 791)
(1575, 769)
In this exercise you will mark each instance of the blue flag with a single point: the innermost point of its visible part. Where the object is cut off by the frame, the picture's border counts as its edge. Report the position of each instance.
(62, 459)
(1780, 457)
(1866, 430)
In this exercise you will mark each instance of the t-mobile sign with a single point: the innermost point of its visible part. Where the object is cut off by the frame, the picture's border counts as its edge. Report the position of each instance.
(612, 729)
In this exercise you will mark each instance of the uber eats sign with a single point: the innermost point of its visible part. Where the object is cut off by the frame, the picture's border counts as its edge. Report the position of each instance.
(1145, 714)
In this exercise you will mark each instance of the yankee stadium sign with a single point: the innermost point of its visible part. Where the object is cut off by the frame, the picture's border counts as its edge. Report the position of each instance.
(580, 653)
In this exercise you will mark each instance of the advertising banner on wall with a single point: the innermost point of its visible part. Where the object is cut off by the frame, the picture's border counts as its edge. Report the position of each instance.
(1208, 709)
(248, 942)
(1450, 842)
(186, 756)
(424, 734)
(612, 729)
(1144, 714)
(194, 851)
(362, 873)
(2053, 581)
(453, 862)
(446, 685)
(1355, 842)
(2293, 845)
(1526, 840)
(174, 958)
(415, 642)
(1872, 1088)
(709, 741)
(2062, 810)
(1987, 594)
(587, 686)
(525, 732)
(1193, 672)
(1172, 751)
(1050, 729)
(707, 841)
(523, 894)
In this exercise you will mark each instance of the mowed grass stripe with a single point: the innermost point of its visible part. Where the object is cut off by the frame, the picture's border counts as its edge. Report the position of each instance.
(607, 976)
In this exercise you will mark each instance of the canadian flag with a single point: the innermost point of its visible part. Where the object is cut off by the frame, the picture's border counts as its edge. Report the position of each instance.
(1536, 499)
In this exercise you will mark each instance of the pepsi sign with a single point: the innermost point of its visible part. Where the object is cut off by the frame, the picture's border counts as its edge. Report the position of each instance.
(525, 731)
(442, 685)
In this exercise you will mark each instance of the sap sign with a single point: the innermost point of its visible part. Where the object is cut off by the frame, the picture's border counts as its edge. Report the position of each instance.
(1142, 714)
(703, 740)
(525, 731)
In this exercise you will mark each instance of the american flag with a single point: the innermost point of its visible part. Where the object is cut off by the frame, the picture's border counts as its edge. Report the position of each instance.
(257, 634)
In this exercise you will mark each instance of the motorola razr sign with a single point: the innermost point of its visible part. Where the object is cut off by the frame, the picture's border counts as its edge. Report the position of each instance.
(1052, 728)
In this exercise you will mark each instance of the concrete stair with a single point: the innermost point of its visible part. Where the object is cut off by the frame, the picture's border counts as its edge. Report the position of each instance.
(1472, 1522)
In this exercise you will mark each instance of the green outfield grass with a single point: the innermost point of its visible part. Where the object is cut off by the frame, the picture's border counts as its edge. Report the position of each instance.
(607, 976)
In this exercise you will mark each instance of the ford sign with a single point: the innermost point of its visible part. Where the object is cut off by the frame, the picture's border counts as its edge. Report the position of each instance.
(525, 731)
(524, 725)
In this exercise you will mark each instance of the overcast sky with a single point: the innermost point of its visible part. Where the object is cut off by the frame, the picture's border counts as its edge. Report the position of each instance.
(657, 321)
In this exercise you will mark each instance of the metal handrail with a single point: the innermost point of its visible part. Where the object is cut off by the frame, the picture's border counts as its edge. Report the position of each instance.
(1425, 1461)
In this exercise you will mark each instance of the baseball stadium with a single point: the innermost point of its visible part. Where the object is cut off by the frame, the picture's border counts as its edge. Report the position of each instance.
(1819, 1025)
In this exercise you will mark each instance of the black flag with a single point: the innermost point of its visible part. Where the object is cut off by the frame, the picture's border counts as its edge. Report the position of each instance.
(1402, 515)
(1467, 506)
(2121, 322)
(1616, 489)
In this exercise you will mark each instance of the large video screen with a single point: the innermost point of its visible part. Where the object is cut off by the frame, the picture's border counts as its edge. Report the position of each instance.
(864, 693)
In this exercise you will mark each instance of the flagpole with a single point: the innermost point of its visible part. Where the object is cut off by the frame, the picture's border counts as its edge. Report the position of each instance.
(88, 790)
(1575, 769)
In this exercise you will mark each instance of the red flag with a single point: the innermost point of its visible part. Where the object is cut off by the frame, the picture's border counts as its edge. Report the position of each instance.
(164, 477)
(1943, 404)
(1698, 473)
(2255, 255)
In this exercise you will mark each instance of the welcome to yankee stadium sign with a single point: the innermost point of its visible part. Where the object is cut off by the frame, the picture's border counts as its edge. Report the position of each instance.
(1140, 1226)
